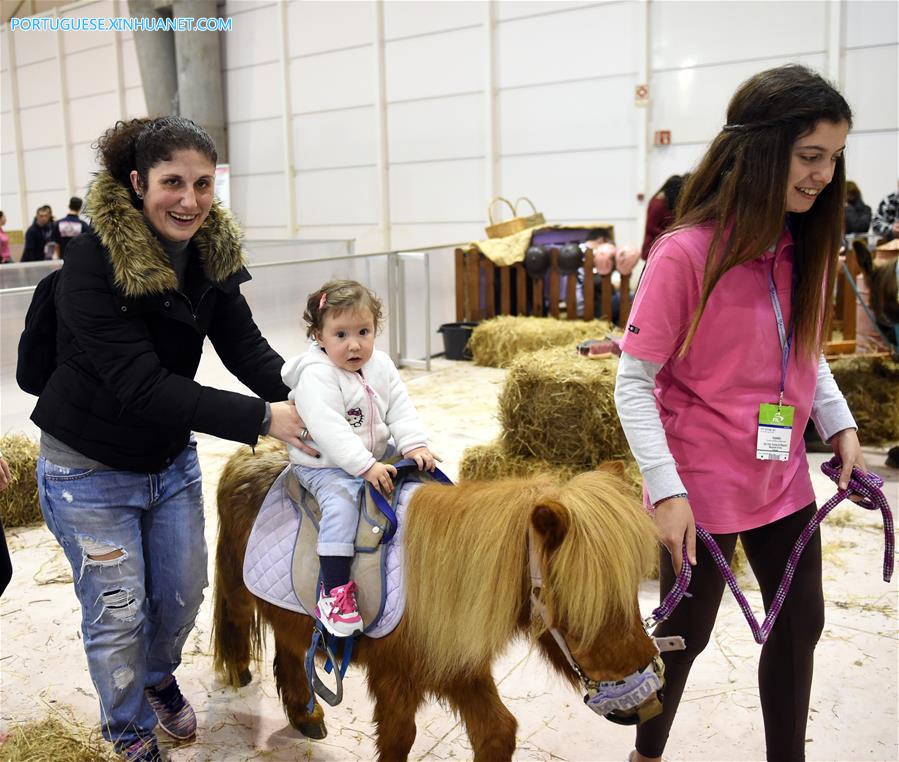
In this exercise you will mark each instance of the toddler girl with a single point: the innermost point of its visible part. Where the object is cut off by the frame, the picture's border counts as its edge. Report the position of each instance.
(357, 411)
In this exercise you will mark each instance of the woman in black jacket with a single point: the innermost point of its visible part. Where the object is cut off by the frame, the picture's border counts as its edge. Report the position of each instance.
(857, 213)
(118, 476)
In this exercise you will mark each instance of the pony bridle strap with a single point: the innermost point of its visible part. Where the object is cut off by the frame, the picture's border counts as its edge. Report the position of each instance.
(628, 701)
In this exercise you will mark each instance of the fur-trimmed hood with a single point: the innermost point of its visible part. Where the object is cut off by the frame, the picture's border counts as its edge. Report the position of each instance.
(140, 265)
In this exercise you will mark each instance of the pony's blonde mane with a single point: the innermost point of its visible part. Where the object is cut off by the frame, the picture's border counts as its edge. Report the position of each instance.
(608, 551)
(467, 565)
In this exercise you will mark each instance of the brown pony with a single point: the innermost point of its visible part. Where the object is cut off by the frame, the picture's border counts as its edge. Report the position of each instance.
(467, 596)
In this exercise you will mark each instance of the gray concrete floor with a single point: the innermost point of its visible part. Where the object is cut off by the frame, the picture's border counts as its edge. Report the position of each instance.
(854, 700)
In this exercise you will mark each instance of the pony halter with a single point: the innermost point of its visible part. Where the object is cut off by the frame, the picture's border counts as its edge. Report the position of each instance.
(634, 699)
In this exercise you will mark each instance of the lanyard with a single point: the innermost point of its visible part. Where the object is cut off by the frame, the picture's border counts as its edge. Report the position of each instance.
(786, 339)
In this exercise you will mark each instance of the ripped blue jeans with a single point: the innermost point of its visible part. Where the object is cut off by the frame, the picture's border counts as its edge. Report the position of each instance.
(135, 543)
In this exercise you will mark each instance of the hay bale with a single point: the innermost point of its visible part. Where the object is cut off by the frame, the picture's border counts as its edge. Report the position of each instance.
(494, 461)
(18, 502)
(871, 387)
(498, 341)
(559, 406)
(54, 739)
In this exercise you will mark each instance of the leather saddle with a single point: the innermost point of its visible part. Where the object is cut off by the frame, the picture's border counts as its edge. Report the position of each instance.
(376, 527)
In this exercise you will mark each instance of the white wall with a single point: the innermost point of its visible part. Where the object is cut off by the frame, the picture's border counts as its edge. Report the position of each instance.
(698, 60)
(69, 87)
(529, 98)
(418, 114)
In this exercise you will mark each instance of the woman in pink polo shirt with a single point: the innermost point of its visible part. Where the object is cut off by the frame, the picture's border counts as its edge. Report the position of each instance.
(722, 352)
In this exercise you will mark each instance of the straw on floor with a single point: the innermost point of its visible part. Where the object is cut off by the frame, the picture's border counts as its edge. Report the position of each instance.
(55, 740)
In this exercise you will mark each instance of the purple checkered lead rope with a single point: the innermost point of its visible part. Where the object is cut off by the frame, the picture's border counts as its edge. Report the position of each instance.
(867, 486)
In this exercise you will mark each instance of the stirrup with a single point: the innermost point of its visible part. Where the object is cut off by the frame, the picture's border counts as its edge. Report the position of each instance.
(320, 642)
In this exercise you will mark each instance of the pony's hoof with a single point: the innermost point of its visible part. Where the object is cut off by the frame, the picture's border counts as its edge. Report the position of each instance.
(314, 730)
(245, 677)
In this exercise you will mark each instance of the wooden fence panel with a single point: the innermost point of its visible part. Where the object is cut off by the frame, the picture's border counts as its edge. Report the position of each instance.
(477, 297)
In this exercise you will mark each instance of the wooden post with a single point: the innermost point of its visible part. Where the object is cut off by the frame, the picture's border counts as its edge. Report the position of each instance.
(849, 302)
(473, 272)
(839, 305)
(606, 291)
(624, 304)
(588, 286)
(554, 282)
(538, 297)
(505, 301)
(460, 285)
(489, 270)
(521, 308)
(571, 296)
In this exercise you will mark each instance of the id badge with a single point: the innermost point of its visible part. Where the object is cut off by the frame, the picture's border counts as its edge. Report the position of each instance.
(775, 428)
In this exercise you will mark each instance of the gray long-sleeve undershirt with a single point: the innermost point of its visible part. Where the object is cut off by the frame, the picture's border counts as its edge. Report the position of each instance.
(643, 426)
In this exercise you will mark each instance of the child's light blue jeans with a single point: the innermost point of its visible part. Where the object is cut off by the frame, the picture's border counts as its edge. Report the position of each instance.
(139, 605)
(337, 494)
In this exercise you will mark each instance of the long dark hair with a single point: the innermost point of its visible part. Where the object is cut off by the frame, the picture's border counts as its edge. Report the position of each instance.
(141, 144)
(740, 185)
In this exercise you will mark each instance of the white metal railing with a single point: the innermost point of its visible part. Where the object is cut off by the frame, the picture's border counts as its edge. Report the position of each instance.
(417, 287)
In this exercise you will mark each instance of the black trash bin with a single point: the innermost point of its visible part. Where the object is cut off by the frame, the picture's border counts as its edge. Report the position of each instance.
(455, 340)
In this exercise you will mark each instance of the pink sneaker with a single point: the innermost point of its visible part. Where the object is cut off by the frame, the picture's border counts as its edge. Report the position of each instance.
(338, 612)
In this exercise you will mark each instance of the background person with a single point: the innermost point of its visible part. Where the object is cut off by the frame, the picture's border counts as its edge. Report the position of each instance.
(68, 227)
(721, 337)
(118, 476)
(857, 214)
(5, 256)
(661, 211)
(39, 237)
(886, 221)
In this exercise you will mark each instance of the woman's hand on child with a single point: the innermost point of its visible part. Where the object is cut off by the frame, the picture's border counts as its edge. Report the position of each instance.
(846, 446)
(380, 476)
(674, 520)
(288, 427)
(424, 458)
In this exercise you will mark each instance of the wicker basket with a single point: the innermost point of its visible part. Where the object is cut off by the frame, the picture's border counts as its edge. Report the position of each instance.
(514, 225)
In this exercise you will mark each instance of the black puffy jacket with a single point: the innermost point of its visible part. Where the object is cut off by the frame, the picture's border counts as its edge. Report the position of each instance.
(131, 341)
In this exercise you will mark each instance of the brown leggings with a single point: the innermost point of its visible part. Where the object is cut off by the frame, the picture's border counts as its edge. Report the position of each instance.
(785, 665)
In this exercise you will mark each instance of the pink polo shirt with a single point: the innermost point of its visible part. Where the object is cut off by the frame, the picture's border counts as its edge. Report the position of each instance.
(709, 399)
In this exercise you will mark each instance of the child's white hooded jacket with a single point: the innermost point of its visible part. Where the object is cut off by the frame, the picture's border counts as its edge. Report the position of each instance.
(351, 416)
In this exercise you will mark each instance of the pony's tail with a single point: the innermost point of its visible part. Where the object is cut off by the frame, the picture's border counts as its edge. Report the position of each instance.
(235, 641)
(237, 637)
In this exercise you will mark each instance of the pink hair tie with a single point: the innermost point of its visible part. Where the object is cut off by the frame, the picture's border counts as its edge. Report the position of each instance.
(322, 301)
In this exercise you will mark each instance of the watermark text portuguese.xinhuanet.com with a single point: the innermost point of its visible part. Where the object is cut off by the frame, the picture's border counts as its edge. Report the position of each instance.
(119, 24)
